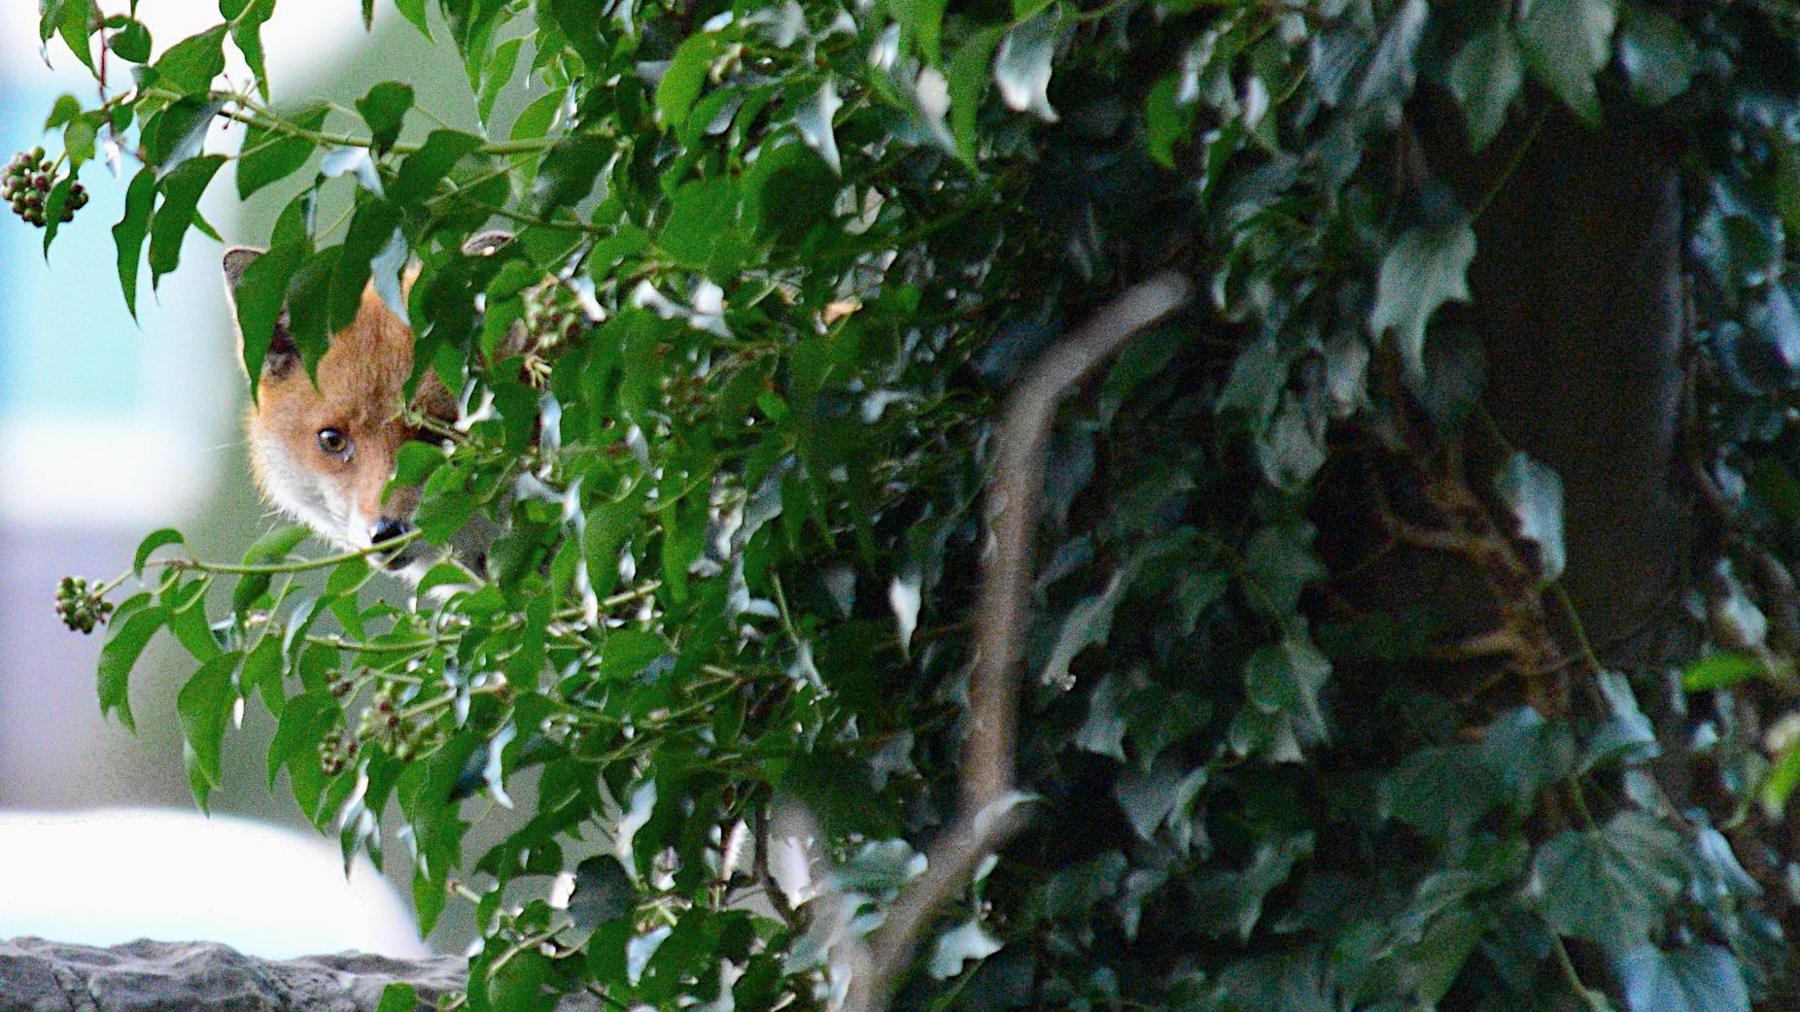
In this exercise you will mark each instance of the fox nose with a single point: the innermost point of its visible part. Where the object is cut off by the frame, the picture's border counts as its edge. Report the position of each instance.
(387, 529)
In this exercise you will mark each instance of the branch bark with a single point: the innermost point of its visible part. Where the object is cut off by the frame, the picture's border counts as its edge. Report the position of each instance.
(989, 811)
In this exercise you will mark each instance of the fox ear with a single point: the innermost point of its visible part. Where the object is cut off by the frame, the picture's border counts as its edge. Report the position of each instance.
(281, 354)
(237, 260)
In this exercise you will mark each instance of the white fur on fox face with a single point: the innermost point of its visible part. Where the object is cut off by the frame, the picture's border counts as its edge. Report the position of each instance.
(308, 496)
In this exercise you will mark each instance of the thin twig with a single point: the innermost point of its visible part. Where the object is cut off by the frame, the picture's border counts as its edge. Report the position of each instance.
(989, 812)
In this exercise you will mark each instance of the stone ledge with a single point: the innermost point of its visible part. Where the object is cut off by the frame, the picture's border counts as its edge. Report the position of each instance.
(146, 976)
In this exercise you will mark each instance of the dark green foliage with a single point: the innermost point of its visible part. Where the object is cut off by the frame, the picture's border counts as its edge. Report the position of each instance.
(775, 267)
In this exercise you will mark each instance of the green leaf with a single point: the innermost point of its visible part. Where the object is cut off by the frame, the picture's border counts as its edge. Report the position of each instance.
(181, 190)
(1566, 43)
(921, 21)
(151, 542)
(958, 946)
(66, 108)
(419, 173)
(269, 156)
(71, 20)
(1527, 754)
(384, 109)
(603, 892)
(686, 76)
(607, 527)
(703, 230)
(178, 132)
(570, 170)
(247, 18)
(205, 704)
(1609, 885)
(190, 65)
(1286, 678)
(414, 11)
(1166, 121)
(1697, 978)
(1658, 55)
(1425, 268)
(129, 631)
(372, 227)
(398, 997)
(497, 75)
(1721, 671)
(1442, 791)
(304, 721)
(259, 296)
(967, 78)
(1486, 77)
(1022, 68)
(1779, 783)
(276, 545)
(1533, 493)
(129, 233)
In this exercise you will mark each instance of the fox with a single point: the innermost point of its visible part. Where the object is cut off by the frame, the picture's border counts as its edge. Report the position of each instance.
(323, 447)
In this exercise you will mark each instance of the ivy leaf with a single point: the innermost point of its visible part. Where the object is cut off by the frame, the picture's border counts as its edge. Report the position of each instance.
(1527, 754)
(129, 630)
(384, 110)
(1721, 671)
(1658, 55)
(1609, 885)
(398, 997)
(181, 189)
(1427, 267)
(1485, 77)
(1280, 565)
(1103, 732)
(1441, 791)
(1022, 68)
(959, 945)
(1087, 624)
(129, 233)
(813, 120)
(1533, 493)
(247, 18)
(570, 170)
(967, 80)
(1697, 978)
(1286, 678)
(603, 892)
(151, 542)
(304, 721)
(269, 156)
(190, 65)
(420, 172)
(682, 82)
(1566, 43)
(1626, 735)
(204, 705)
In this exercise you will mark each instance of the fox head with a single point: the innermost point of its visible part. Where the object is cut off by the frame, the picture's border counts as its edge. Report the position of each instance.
(323, 448)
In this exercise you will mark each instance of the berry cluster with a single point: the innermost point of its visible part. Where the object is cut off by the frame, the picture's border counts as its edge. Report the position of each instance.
(26, 186)
(79, 607)
(336, 751)
(553, 316)
(383, 721)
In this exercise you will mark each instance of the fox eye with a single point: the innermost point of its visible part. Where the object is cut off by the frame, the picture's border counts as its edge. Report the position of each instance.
(334, 442)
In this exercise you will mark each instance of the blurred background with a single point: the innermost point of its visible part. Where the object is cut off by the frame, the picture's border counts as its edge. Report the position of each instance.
(111, 428)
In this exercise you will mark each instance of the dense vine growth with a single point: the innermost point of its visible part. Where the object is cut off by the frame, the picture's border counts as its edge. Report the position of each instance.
(777, 265)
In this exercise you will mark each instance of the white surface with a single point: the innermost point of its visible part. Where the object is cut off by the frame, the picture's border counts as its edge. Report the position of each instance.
(106, 877)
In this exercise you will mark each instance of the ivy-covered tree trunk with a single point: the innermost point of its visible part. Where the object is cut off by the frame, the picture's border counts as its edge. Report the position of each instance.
(1577, 284)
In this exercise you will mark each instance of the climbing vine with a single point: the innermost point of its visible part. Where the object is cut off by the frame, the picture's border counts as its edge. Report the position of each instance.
(777, 267)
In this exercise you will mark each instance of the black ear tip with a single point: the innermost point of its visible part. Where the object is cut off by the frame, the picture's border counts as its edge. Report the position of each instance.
(237, 258)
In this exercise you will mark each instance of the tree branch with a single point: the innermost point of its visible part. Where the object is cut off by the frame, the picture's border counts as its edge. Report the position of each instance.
(989, 812)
